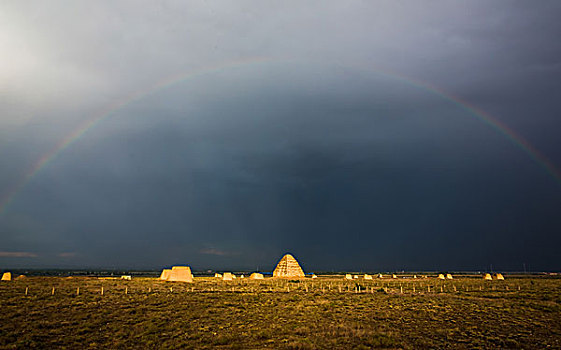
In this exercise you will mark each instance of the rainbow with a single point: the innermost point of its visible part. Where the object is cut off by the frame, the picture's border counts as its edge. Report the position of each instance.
(489, 120)
(105, 113)
(110, 110)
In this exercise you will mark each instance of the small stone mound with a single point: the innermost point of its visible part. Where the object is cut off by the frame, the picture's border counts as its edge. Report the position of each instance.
(256, 276)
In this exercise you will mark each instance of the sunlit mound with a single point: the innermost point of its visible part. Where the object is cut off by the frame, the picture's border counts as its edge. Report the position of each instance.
(165, 274)
(228, 276)
(487, 277)
(177, 274)
(288, 267)
(499, 276)
(7, 276)
(256, 276)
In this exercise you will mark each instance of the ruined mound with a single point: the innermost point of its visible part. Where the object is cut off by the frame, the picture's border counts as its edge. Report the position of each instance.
(177, 274)
(165, 274)
(256, 276)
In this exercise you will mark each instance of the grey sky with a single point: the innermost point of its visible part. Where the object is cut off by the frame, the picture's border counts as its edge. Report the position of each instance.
(310, 145)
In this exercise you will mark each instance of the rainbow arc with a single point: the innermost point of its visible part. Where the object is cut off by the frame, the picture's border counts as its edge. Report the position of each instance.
(110, 110)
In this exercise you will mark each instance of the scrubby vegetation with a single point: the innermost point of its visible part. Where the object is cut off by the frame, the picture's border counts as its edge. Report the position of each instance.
(243, 314)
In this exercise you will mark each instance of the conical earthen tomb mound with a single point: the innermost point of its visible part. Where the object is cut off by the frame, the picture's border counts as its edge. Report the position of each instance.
(288, 267)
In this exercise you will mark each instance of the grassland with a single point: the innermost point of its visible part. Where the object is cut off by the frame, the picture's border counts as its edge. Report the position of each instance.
(328, 312)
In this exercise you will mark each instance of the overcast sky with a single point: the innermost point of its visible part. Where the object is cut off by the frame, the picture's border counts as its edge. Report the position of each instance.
(302, 127)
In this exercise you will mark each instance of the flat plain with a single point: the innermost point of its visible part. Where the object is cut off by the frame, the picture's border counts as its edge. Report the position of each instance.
(326, 312)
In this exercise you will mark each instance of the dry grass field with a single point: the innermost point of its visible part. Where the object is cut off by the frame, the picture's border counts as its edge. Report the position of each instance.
(327, 312)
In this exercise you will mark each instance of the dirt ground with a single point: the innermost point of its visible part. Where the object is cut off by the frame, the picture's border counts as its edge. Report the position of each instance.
(324, 313)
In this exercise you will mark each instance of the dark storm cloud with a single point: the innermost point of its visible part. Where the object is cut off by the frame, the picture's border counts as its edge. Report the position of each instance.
(308, 152)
